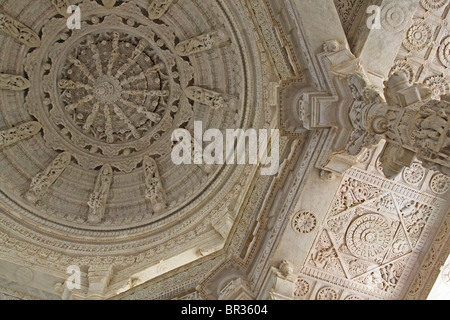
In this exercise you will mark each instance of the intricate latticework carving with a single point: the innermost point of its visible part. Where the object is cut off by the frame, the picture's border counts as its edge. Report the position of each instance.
(61, 6)
(157, 8)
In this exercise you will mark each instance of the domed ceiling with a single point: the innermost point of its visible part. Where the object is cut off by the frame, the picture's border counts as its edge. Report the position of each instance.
(91, 112)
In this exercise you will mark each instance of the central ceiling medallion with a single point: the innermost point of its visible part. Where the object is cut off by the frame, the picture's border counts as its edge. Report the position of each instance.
(112, 90)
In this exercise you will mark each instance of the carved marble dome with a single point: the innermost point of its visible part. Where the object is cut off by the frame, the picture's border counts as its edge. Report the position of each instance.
(108, 97)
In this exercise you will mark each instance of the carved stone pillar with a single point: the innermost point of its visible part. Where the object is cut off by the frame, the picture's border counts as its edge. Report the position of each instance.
(413, 125)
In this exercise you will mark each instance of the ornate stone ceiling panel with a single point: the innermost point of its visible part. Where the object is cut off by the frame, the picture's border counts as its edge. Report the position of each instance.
(87, 117)
(424, 54)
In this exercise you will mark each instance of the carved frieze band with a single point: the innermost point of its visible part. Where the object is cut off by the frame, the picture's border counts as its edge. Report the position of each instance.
(271, 38)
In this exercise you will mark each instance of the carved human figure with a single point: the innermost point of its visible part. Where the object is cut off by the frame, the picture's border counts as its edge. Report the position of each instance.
(97, 201)
(154, 188)
(18, 31)
(13, 82)
(43, 181)
(21, 132)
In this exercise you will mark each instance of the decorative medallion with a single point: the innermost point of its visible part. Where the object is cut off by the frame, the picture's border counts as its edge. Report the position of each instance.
(439, 86)
(304, 222)
(433, 4)
(414, 174)
(327, 293)
(419, 36)
(440, 183)
(302, 288)
(369, 237)
(444, 52)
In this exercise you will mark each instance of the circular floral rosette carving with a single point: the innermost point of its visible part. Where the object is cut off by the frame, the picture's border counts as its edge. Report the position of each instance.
(112, 90)
(327, 293)
(439, 86)
(405, 66)
(369, 237)
(302, 288)
(304, 222)
(444, 52)
(414, 174)
(393, 17)
(418, 37)
(440, 183)
(433, 4)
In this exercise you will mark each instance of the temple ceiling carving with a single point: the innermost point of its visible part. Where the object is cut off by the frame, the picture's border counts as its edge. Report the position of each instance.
(358, 209)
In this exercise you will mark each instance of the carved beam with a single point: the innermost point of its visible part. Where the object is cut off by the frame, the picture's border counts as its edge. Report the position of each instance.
(19, 31)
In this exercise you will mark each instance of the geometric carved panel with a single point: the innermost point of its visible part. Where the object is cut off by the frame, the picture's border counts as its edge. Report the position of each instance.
(370, 235)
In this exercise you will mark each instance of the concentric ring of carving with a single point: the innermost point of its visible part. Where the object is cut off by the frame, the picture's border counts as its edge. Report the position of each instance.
(433, 4)
(369, 236)
(113, 91)
(414, 174)
(304, 222)
(302, 288)
(419, 36)
(327, 293)
(440, 183)
(110, 96)
(444, 52)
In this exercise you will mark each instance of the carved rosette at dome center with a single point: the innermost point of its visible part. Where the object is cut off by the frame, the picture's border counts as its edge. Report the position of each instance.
(112, 91)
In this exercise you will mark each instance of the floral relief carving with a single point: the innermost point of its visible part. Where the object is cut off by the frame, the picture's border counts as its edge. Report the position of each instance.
(370, 242)
(304, 222)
